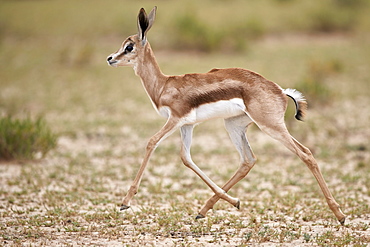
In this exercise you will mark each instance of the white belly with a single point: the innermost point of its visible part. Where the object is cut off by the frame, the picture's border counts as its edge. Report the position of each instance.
(219, 109)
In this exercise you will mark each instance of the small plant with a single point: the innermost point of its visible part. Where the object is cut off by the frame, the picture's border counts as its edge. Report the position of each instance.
(24, 138)
(335, 16)
(307, 237)
(314, 83)
(194, 34)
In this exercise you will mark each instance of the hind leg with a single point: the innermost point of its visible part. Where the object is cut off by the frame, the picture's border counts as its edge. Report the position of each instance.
(186, 136)
(236, 127)
(280, 133)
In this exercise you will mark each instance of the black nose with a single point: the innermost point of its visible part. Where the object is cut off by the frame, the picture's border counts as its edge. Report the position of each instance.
(109, 58)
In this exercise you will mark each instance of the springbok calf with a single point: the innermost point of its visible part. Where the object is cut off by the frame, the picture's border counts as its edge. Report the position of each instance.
(238, 95)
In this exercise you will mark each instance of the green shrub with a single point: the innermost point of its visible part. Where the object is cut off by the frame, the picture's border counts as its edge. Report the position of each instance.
(24, 138)
(191, 33)
(315, 90)
(314, 86)
(333, 17)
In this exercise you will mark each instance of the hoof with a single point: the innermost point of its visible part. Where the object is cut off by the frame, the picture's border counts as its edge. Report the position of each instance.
(341, 221)
(124, 207)
(199, 216)
(237, 205)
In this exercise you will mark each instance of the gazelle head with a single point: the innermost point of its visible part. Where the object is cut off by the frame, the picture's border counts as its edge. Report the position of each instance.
(132, 48)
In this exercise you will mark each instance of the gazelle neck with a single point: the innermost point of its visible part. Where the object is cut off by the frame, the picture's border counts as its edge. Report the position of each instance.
(151, 75)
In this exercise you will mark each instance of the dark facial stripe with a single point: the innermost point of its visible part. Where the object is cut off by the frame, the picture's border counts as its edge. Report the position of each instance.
(125, 51)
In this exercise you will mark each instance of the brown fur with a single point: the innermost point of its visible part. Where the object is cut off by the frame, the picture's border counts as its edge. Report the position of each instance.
(265, 104)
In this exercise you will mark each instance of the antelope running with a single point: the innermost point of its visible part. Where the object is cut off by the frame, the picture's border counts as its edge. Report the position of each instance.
(238, 95)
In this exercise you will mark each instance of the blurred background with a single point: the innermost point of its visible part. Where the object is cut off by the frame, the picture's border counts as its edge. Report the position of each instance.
(53, 66)
(53, 53)
(53, 58)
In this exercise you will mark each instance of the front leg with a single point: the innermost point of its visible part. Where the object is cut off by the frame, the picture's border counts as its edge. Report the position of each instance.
(170, 126)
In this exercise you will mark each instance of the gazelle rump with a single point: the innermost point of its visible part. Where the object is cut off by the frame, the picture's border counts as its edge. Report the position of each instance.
(240, 96)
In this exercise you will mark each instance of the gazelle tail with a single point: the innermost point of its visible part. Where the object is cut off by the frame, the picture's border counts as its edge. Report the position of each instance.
(300, 102)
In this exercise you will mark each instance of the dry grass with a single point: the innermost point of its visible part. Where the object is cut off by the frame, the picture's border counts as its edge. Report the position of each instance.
(103, 117)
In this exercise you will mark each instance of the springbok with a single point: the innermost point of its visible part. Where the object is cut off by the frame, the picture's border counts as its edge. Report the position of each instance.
(238, 95)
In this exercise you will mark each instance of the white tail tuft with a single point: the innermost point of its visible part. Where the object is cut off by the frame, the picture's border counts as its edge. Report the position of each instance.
(299, 100)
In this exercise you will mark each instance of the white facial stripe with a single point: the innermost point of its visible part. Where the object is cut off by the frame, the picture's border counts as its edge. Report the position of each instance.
(114, 56)
(119, 52)
(124, 48)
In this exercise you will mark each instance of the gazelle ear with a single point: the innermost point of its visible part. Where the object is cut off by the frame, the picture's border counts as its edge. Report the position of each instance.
(144, 23)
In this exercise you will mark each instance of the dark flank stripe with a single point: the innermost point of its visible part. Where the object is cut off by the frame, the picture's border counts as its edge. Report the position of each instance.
(213, 96)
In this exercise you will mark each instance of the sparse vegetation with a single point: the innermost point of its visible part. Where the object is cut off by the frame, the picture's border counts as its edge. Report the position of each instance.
(53, 65)
(25, 138)
(335, 16)
(191, 33)
(314, 83)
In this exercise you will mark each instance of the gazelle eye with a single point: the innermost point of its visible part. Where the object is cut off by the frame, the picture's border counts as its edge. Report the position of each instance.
(129, 48)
